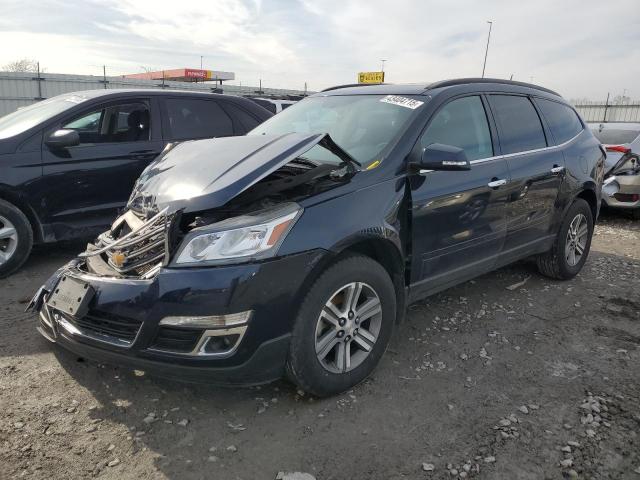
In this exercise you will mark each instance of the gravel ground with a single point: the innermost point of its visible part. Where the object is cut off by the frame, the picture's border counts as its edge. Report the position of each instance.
(509, 376)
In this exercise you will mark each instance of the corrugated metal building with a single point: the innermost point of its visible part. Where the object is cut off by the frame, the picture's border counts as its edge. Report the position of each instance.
(24, 88)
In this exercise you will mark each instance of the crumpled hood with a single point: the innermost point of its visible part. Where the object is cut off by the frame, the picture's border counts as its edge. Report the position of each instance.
(203, 174)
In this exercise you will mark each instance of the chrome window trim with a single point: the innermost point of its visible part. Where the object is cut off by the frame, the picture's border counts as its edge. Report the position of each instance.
(526, 152)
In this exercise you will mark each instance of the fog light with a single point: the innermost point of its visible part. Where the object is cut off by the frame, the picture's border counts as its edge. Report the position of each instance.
(221, 344)
(211, 321)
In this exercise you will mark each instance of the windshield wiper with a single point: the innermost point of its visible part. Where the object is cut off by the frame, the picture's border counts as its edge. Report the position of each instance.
(328, 143)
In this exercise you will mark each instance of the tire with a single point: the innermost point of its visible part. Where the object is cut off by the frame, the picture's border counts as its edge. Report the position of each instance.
(555, 263)
(18, 238)
(635, 214)
(322, 377)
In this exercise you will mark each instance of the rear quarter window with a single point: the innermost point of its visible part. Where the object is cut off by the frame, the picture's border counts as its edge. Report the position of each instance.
(562, 120)
(519, 125)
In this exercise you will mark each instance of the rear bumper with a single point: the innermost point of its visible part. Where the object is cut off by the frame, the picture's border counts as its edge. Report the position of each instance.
(123, 325)
(615, 192)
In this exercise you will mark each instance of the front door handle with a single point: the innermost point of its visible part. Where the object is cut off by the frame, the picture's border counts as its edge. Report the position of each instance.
(557, 169)
(497, 183)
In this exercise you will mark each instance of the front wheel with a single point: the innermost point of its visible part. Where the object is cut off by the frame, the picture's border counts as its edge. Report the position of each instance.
(16, 238)
(572, 244)
(343, 327)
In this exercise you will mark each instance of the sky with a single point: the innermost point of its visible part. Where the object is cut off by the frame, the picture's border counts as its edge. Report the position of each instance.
(581, 48)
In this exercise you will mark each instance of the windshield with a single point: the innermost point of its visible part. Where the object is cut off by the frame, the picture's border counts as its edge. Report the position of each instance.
(363, 125)
(614, 136)
(23, 119)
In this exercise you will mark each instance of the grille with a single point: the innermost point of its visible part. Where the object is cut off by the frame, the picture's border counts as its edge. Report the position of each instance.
(99, 324)
(181, 340)
(134, 246)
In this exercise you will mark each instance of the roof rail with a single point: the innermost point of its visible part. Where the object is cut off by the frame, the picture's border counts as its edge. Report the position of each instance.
(347, 85)
(463, 81)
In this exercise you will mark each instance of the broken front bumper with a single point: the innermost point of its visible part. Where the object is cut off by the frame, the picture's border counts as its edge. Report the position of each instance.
(622, 191)
(126, 319)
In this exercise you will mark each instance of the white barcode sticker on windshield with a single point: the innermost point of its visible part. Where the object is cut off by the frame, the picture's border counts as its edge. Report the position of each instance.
(402, 101)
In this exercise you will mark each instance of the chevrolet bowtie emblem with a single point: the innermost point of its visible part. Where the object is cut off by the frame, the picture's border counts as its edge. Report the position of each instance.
(118, 259)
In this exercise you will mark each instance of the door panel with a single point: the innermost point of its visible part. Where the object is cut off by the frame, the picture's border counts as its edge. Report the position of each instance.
(458, 219)
(83, 187)
(458, 223)
(536, 170)
(533, 193)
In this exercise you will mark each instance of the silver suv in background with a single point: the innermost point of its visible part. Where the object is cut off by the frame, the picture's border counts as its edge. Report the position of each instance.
(621, 187)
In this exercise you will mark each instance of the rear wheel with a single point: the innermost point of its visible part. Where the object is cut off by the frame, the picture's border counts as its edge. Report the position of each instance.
(343, 327)
(16, 238)
(571, 247)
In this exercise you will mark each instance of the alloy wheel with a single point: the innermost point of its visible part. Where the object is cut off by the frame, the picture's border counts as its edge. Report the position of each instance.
(577, 238)
(348, 327)
(8, 240)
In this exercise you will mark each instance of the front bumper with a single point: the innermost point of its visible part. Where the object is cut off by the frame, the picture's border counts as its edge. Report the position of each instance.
(123, 326)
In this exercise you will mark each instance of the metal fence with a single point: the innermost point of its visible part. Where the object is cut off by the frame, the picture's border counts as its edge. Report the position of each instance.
(605, 112)
(24, 88)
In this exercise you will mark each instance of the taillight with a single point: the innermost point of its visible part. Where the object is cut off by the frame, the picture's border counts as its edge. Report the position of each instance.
(618, 148)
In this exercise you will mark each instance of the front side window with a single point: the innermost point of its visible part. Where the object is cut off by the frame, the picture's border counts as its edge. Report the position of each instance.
(191, 118)
(461, 123)
(562, 120)
(127, 122)
(363, 125)
(518, 122)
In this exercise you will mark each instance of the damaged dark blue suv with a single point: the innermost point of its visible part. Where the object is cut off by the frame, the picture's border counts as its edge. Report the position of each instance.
(295, 249)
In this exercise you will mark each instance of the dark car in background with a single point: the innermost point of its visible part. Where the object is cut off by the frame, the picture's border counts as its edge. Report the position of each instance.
(296, 249)
(68, 164)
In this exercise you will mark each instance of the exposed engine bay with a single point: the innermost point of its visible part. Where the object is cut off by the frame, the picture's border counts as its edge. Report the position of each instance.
(144, 238)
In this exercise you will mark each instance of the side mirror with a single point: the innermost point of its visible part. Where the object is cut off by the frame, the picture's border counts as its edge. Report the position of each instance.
(438, 156)
(63, 138)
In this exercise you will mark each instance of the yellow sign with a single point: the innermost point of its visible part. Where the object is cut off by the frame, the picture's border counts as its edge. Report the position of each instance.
(371, 77)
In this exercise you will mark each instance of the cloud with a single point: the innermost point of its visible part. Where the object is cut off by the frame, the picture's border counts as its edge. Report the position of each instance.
(576, 47)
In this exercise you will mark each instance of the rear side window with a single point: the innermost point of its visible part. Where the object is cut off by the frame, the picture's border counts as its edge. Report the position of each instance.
(461, 123)
(562, 120)
(190, 118)
(243, 120)
(519, 124)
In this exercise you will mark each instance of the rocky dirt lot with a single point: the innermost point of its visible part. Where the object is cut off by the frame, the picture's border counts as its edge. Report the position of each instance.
(509, 376)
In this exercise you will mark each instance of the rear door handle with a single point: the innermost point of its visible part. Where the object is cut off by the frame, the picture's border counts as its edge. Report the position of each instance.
(557, 169)
(497, 183)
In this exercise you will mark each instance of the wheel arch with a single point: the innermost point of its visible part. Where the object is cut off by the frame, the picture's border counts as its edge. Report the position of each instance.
(19, 202)
(588, 194)
(379, 249)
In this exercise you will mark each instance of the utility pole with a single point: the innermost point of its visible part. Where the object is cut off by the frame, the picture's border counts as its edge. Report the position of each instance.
(200, 62)
(486, 51)
(39, 84)
(104, 76)
(382, 70)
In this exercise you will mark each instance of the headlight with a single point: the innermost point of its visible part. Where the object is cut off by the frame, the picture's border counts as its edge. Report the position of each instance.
(257, 235)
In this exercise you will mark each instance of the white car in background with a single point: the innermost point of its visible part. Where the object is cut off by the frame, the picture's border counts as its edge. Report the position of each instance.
(621, 188)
